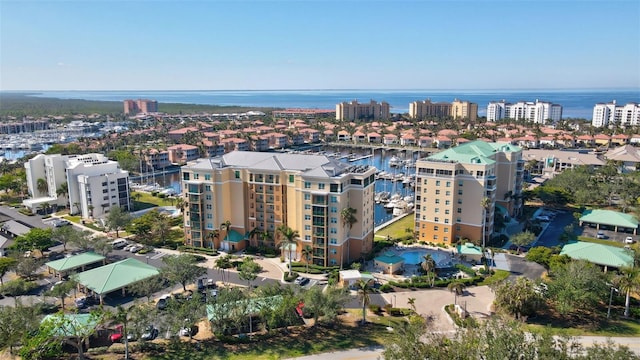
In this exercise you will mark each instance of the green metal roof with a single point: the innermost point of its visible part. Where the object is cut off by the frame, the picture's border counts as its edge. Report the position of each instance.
(118, 275)
(246, 306)
(234, 237)
(598, 254)
(389, 258)
(75, 261)
(69, 325)
(469, 249)
(474, 152)
(609, 217)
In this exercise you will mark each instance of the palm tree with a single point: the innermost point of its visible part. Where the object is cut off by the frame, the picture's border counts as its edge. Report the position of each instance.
(41, 186)
(287, 240)
(90, 207)
(76, 205)
(485, 203)
(628, 281)
(307, 251)
(213, 235)
(429, 266)
(348, 216)
(226, 226)
(63, 190)
(412, 302)
(266, 236)
(457, 288)
(363, 294)
(253, 234)
(46, 207)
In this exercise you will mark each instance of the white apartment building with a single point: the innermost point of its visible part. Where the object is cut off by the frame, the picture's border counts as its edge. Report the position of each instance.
(613, 114)
(94, 183)
(536, 112)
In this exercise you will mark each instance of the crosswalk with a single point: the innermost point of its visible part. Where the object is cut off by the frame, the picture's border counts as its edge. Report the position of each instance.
(158, 255)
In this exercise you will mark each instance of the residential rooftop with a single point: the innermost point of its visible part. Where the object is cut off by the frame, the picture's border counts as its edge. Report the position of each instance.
(474, 152)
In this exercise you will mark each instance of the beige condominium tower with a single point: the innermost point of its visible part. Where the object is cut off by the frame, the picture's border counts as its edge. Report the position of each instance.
(460, 190)
(256, 192)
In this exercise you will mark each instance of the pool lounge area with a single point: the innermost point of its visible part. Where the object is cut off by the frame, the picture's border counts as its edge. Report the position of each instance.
(406, 261)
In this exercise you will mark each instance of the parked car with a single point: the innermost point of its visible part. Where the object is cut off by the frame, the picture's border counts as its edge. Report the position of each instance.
(119, 243)
(61, 223)
(55, 256)
(135, 248)
(302, 281)
(185, 331)
(163, 302)
(80, 302)
(601, 235)
(628, 240)
(150, 333)
(129, 247)
(544, 218)
(200, 284)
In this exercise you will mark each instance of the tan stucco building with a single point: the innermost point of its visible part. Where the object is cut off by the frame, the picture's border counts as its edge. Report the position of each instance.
(451, 186)
(366, 111)
(257, 192)
(457, 109)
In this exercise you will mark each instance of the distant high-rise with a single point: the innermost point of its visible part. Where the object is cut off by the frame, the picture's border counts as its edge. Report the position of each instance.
(613, 114)
(536, 112)
(355, 111)
(144, 106)
(457, 109)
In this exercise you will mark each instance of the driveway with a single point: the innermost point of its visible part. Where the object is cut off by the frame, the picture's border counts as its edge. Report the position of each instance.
(550, 237)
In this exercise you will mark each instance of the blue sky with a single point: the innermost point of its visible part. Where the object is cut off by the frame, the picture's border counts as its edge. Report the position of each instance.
(220, 45)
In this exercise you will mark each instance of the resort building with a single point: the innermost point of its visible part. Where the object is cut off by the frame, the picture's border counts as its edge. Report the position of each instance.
(355, 111)
(94, 183)
(537, 112)
(256, 192)
(549, 163)
(613, 114)
(457, 109)
(145, 106)
(452, 185)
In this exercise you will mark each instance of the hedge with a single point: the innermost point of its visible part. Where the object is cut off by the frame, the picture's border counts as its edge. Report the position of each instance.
(315, 267)
(465, 269)
(287, 278)
(192, 249)
(399, 312)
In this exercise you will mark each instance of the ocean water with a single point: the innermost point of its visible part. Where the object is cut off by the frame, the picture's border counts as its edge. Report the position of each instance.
(575, 103)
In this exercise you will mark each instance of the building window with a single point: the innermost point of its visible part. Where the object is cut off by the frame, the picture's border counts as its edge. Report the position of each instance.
(321, 186)
(446, 230)
(237, 174)
(307, 196)
(307, 227)
(209, 207)
(446, 211)
(458, 220)
(459, 201)
(437, 192)
(334, 199)
(307, 206)
(446, 221)
(185, 176)
(207, 197)
(459, 210)
(334, 209)
(437, 182)
(307, 185)
(436, 210)
(447, 202)
(460, 192)
(333, 188)
(435, 228)
(436, 219)
(435, 237)
(333, 262)
(292, 178)
(333, 241)
(207, 176)
(448, 193)
(307, 217)
(209, 216)
(334, 230)
(209, 226)
(460, 183)
(207, 187)
(196, 176)
(448, 183)
(333, 251)
(437, 201)
(307, 237)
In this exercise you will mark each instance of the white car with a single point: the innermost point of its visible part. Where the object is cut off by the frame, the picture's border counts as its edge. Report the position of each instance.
(628, 240)
(544, 218)
(129, 247)
(136, 248)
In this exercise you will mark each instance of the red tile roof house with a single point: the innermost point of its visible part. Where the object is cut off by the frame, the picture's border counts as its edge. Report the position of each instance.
(277, 140)
(259, 142)
(408, 140)
(547, 140)
(586, 140)
(231, 144)
(177, 134)
(359, 137)
(311, 135)
(443, 142)
(374, 138)
(602, 139)
(343, 135)
(389, 139)
(620, 139)
(528, 141)
(328, 135)
(183, 153)
(228, 133)
(425, 141)
(212, 136)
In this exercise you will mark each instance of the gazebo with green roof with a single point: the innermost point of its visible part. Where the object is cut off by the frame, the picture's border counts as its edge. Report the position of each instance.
(618, 220)
(470, 251)
(63, 266)
(603, 255)
(389, 263)
(234, 241)
(116, 276)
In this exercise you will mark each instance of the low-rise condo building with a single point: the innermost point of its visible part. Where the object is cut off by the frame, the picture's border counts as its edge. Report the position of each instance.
(459, 190)
(257, 192)
(94, 184)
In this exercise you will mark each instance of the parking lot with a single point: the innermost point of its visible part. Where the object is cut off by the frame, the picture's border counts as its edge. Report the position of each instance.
(607, 234)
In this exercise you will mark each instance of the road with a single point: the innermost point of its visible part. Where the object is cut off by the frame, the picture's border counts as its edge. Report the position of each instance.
(551, 235)
(372, 353)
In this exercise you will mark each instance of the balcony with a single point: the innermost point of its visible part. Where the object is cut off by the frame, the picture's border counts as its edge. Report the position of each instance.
(319, 243)
(319, 213)
(319, 223)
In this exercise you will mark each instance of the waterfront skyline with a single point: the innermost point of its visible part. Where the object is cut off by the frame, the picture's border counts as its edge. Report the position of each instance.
(257, 45)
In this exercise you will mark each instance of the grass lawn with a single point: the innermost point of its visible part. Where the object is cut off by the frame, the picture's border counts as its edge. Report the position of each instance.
(600, 241)
(73, 218)
(606, 328)
(497, 276)
(143, 200)
(397, 229)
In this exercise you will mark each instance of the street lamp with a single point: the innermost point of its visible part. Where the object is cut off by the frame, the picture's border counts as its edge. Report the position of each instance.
(394, 300)
(147, 259)
(610, 299)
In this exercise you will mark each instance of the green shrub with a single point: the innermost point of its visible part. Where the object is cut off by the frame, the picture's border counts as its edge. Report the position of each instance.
(162, 196)
(386, 288)
(375, 308)
(287, 278)
(400, 312)
(387, 308)
(465, 269)
(98, 350)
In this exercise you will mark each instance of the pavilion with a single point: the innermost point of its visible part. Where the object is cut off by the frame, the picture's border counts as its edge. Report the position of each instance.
(617, 220)
(599, 254)
(66, 265)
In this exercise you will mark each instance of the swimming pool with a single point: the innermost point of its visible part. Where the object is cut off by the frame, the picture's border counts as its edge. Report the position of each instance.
(415, 257)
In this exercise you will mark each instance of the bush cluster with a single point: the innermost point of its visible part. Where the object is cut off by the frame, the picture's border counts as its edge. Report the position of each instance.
(197, 250)
(264, 250)
(287, 278)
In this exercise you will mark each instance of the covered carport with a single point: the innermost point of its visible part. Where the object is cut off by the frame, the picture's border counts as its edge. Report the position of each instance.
(619, 221)
(116, 276)
(64, 266)
(604, 255)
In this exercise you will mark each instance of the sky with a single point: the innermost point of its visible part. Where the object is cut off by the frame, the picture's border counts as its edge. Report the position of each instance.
(305, 44)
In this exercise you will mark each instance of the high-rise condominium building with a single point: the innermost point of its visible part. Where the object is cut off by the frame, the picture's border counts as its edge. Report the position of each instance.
(459, 191)
(457, 109)
(355, 111)
(145, 106)
(95, 184)
(613, 114)
(257, 192)
(536, 112)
